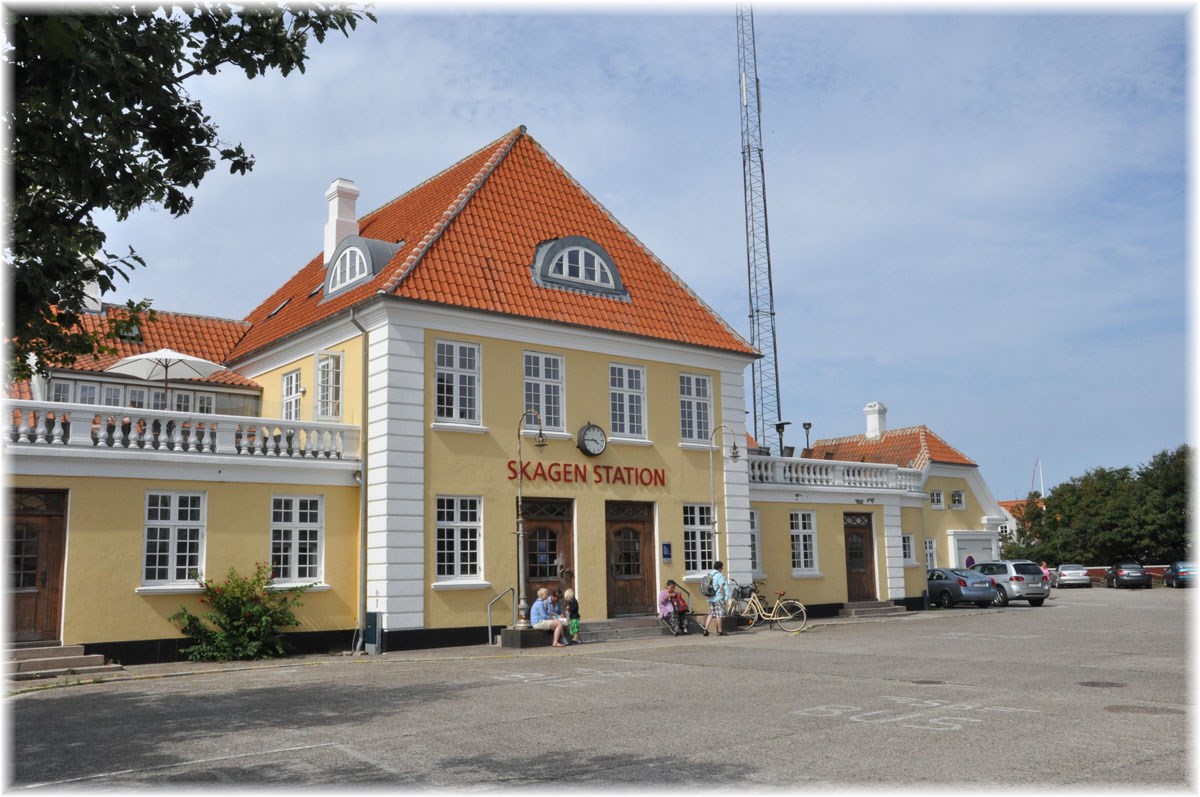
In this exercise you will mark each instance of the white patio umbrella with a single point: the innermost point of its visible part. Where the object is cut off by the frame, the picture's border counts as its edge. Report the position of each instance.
(163, 364)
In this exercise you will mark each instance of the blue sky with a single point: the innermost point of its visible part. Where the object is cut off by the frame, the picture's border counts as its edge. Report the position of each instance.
(977, 219)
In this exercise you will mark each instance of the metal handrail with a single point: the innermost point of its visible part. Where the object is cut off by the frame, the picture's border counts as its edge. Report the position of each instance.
(513, 590)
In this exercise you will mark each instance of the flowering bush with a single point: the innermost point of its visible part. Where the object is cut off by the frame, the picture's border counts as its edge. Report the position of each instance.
(245, 620)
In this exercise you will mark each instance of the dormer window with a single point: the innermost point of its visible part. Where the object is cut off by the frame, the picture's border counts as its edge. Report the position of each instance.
(580, 264)
(349, 268)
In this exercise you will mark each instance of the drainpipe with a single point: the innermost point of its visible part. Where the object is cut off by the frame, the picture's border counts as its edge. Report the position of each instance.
(362, 494)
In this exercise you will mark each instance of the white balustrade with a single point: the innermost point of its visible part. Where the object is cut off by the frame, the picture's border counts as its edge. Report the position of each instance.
(42, 423)
(794, 472)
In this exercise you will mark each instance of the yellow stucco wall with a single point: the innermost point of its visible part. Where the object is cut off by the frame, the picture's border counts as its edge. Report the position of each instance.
(105, 554)
(466, 463)
(272, 383)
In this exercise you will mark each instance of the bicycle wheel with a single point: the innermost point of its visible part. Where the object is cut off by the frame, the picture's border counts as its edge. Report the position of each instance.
(737, 608)
(750, 613)
(791, 616)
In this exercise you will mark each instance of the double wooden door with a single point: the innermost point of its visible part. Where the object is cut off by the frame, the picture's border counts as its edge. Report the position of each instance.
(629, 533)
(548, 545)
(37, 546)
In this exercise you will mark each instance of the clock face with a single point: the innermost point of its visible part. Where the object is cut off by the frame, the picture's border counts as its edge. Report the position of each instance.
(592, 440)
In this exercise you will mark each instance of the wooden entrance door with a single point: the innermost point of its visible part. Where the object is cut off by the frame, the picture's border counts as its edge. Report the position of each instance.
(630, 555)
(548, 545)
(37, 543)
(860, 557)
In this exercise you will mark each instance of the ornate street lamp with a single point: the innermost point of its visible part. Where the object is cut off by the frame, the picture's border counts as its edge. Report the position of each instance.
(539, 442)
(734, 454)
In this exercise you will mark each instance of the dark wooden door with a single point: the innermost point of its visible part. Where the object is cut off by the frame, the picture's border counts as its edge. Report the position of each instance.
(548, 546)
(37, 543)
(630, 556)
(860, 557)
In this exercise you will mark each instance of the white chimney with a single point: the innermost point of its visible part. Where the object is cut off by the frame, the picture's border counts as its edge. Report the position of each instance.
(343, 221)
(91, 297)
(876, 414)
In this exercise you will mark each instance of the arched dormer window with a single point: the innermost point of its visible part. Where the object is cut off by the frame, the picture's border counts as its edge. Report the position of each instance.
(580, 264)
(349, 268)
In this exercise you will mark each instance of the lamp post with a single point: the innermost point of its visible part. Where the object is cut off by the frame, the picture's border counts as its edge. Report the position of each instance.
(807, 429)
(539, 442)
(779, 427)
(712, 488)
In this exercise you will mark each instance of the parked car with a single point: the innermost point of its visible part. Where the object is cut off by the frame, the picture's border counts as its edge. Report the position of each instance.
(1126, 573)
(949, 587)
(1179, 574)
(1070, 576)
(1017, 580)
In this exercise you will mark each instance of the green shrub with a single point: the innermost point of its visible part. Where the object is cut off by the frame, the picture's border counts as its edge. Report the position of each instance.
(246, 618)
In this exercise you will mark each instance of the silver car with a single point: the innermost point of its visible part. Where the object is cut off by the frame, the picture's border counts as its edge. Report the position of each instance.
(949, 587)
(1017, 580)
(1070, 576)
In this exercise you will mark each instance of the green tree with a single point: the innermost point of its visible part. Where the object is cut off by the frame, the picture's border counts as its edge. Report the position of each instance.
(1163, 505)
(100, 120)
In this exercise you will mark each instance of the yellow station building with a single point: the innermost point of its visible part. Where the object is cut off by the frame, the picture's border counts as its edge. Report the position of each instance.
(490, 344)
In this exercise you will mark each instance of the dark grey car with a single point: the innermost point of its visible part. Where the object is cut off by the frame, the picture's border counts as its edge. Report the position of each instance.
(1127, 573)
(1017, 580)
(949, 587)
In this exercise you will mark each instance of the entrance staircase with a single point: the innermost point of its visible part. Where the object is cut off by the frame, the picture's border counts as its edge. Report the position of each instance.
(27, 661)
(864, 609)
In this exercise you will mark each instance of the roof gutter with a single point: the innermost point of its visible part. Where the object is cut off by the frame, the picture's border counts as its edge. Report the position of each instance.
(362, 492)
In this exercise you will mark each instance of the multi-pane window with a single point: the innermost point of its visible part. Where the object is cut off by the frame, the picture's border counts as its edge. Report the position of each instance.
(457, 377)
(111, 396)
(544, 389)
(297, 523)
(290, 400)
(958, 499)
(206, 403)
(930, 554)
(182, 401)
(158, 399)
(698, 548)
(459, 527)
(804, 541)
(136, 397)
(755, 544)
(627, 400)
(906, 547)
(329, 386)
(87, 393)
(23, 557)
(60, 390)
(695, 408)
(935, 499)
(582, 265)
(350, 267)
(174, 552)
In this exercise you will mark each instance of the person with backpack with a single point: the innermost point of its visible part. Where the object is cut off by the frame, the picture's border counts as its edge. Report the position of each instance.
(716, 584)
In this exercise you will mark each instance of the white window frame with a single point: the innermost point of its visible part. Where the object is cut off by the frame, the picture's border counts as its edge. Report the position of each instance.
(803, 534)
(458, 539)
(111, 396)
(297, 539)
(937, 499)
(699, 548)
(158, 399)
(87, 393)
(930, 554)
(290, 393)
(169, 534)
(627, 400)
(581, 264)
(329, 386)
(958, 499)
(206, 403)
(181, 400)
(136, 398)
(756, 551)
(907, 551)
(545, 392)
(350, 267)
(458, 382)
(62, 390)
(695, 408)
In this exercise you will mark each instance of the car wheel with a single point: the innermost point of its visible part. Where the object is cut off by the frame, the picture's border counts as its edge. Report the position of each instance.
(946, 600)
(1036, 601)
(1001, 597)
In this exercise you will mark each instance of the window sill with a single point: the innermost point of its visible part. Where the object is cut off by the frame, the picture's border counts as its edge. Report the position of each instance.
(911, 563)
(169, 589)
(451, 585)
(696, 445)
(313, 586)
(446, 426)
(807, 574)
(630, 441)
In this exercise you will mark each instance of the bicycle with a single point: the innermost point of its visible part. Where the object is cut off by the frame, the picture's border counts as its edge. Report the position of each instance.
(789, 614)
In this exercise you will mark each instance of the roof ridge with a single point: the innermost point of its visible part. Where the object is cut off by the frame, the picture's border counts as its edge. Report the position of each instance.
(503, 145)
(105, 306)
(631, 236)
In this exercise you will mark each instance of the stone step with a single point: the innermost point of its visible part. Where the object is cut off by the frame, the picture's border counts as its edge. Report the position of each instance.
(44, 652)
(55, 672)
(871, 609)
(55, 663)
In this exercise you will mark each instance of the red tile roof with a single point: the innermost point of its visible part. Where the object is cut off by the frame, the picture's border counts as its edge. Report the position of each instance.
(199, 336)
(911, 447)
(470, 236)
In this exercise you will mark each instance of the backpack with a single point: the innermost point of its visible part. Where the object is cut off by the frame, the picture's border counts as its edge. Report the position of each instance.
(706, 586)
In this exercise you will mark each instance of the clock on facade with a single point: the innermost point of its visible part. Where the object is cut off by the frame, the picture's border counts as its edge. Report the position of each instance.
(592, 440)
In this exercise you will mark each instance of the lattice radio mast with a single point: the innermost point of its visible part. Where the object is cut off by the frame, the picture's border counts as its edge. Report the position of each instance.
(764, 378)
